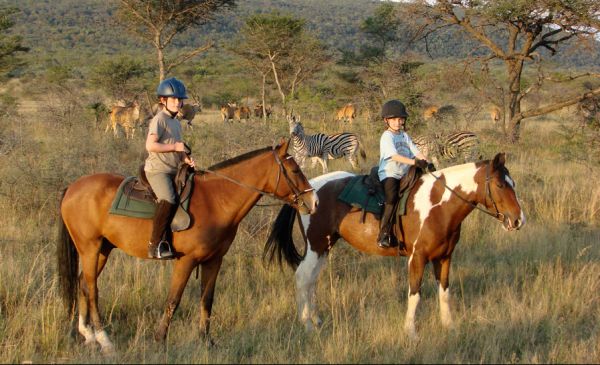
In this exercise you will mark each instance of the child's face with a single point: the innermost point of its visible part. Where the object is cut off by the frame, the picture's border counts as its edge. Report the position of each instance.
(173, 104)
(395, 124)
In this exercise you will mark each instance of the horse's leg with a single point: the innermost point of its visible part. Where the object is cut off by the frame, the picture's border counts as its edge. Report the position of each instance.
(441, 268)
(307, 274)
(352, 159)
(416, 268)
(84, 326)
(210, 270)
(323, 161)
(90, 263)
(181, 273)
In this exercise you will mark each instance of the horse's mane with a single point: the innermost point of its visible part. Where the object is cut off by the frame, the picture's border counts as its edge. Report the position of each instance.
(240, 158)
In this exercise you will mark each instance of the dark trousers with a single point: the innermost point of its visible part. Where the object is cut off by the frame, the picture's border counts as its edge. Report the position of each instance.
(390, 187)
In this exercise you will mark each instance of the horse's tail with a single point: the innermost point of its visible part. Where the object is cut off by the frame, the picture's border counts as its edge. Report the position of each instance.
(68, 263)
(280, 242)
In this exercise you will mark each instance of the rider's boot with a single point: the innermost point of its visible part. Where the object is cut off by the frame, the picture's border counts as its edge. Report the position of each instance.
(384, 240)
(159, 247)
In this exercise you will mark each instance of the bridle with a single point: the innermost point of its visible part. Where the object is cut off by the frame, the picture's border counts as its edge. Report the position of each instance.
(488, 194)
(296, 192)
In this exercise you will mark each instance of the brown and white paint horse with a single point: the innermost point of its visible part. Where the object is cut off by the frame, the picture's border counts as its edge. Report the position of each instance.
(430, 230)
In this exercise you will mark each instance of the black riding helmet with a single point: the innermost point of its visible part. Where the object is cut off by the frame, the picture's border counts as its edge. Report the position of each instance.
(392, 109)
(171, 87)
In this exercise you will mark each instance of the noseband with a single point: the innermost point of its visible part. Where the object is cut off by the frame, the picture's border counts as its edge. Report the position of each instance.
(296, 192)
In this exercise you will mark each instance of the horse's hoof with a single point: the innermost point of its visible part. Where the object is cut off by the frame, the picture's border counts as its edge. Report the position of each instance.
(159, 337)
(109, 351)
(318, 322)
(210, 343)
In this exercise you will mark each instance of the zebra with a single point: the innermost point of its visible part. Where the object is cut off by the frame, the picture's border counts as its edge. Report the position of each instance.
(321, 147)
(456, 146)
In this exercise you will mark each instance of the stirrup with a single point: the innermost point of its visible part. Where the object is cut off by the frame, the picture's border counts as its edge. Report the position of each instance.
(384, 242)
(160, 251)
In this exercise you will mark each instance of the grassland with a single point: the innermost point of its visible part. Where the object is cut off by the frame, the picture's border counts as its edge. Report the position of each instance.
(525, 297)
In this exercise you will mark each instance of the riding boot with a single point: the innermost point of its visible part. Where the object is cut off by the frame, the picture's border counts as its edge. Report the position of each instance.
(385, 226)
(159, 247)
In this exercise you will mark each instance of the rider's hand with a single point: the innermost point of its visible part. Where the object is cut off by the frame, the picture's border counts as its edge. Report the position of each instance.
(430, 167)
(422, 164)
(190, 161)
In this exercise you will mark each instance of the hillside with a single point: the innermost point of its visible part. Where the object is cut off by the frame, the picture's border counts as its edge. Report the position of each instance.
(79, 29)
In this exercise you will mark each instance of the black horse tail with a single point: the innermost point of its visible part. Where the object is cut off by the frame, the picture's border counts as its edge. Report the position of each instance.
(280, 242)
(68, 264)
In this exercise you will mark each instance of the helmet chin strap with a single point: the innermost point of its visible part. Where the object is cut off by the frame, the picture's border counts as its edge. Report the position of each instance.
(173, 114)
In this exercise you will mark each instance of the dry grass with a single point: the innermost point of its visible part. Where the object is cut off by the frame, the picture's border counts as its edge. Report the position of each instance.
(525, 297)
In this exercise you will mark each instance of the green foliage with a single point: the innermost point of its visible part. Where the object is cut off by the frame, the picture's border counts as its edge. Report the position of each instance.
(382, 29)
(119, 77)
(10, 45)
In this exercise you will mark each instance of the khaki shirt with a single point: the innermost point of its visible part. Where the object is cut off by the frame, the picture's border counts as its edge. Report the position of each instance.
(168, 130)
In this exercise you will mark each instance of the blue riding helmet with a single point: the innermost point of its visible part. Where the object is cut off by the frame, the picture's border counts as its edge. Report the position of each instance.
(171, 87)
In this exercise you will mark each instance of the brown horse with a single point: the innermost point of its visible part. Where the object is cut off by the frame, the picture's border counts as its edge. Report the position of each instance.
(430, 230)
(222, 197)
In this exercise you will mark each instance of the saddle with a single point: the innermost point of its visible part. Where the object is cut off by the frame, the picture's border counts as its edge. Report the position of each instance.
(366, 192)
(135, 197)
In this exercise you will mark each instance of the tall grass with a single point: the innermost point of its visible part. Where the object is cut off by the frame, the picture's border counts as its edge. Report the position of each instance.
(524, 297)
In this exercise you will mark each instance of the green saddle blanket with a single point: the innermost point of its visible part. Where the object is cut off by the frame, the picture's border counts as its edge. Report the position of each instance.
(138, 208)
(358, 194)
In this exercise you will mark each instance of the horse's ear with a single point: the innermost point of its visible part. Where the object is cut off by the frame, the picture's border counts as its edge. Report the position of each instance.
(499, 160)
(283, 146)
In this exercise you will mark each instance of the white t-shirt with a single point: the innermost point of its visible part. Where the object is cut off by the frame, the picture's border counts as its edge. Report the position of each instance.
(395, 144)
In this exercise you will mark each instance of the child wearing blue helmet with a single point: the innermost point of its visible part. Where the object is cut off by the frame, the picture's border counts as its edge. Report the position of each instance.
(165, 151)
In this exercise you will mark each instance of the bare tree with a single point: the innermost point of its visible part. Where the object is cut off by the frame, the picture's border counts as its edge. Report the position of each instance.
(280, 44)
(159, 22)
(514, 32)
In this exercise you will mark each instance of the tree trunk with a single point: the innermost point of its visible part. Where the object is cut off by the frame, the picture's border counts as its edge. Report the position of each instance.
(281, 93)
(262, 95)
(515, 69)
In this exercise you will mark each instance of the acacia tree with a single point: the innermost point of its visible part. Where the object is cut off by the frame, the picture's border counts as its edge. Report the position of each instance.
(10, 45)
(280, 44)
(160, 21)
(382, 29)
(514, 32)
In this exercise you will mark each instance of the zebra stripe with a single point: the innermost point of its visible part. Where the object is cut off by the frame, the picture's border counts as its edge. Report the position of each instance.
(457, 146)
(321, 147)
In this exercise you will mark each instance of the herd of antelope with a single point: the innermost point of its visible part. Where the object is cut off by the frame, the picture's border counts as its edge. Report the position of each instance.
(128, 115)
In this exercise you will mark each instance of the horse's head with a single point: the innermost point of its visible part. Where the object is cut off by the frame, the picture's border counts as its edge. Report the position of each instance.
(501, 197)
(295, 188)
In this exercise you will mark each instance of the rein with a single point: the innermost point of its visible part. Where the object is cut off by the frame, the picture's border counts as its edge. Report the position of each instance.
(296, 192)
(499, 216)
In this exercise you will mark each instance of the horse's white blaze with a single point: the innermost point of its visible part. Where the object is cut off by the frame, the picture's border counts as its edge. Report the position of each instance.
(512, 184)
(461, 175)
(445, 315)
(409, 321)
(307, 274)
(509, 181)
(86, 331)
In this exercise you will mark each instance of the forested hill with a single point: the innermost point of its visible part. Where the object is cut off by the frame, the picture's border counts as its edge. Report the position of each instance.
(80, 29)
